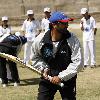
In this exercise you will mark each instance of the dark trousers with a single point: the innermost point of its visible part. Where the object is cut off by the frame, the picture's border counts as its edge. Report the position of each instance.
(47, 90)
(12, 66)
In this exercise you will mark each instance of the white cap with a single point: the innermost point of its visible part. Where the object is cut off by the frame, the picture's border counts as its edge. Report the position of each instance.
(84, 10)
(30, 12)
(47, 9)
(4, 18)
(17, 33)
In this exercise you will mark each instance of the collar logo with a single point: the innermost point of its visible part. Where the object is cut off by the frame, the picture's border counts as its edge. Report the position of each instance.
(63, 51)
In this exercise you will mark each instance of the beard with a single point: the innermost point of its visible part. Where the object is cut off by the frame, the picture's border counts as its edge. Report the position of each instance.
(62, 31)
(65, 33)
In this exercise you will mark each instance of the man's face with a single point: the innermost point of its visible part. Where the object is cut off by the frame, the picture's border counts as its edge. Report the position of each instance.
(5, 22)
(47, 14)
(63, 25)
(30, 16)
(85, 15)
(61, 29)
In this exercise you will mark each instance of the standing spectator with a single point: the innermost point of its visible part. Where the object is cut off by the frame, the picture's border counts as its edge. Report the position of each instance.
(88, 26)
(31, 29)
(58, 52)
(45, 21)
(5, 29)
(10, 44)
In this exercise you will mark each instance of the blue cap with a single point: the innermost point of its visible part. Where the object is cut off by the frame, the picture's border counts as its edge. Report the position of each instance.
(59, 16)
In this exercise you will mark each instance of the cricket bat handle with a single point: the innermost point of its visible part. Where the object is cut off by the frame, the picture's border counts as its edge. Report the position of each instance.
(60, 84)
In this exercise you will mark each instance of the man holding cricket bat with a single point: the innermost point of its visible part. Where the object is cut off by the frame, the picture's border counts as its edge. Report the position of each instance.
(57, 53)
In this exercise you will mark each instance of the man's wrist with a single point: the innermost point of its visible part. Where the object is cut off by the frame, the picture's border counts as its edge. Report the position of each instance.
(60, 78)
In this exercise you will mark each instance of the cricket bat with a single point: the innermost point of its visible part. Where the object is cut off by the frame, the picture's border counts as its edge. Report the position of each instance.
(19, 61)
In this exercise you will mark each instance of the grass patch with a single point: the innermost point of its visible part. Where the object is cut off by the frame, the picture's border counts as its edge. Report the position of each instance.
(88, 82)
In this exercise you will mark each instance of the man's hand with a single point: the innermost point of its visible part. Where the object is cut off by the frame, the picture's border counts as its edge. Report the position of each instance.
(45, 73)
(95, 30)
(55, 80)
(82, 28)
(23, 33)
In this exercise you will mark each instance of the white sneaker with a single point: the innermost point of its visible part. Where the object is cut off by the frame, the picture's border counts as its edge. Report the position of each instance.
(16, 84)
(0, 80)
(4, 85)
(93, 66)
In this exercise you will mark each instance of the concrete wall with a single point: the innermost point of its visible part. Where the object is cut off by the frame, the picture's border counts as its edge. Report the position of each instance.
(16, 9)
(19, 7)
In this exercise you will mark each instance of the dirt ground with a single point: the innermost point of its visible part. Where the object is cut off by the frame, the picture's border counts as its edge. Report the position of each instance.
(88, 81)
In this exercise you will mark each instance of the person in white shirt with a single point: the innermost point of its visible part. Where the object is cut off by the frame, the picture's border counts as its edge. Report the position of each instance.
(88, 26)
(30, 29)
(5, 29)
(45, 22)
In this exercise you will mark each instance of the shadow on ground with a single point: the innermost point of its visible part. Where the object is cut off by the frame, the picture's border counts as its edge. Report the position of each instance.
(32, 81)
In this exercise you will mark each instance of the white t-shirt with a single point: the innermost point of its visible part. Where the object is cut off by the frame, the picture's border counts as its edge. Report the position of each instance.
(45, 24)
(4, 30)
(55, 45)
(89, 25)
(31, 29)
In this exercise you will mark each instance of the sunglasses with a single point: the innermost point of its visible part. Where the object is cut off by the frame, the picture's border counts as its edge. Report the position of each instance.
(66, 23)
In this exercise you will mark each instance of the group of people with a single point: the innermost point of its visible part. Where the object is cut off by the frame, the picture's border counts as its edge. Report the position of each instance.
(32, 28)
(88, 26)
(52, 48)
(9, 44)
